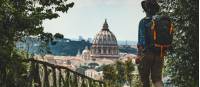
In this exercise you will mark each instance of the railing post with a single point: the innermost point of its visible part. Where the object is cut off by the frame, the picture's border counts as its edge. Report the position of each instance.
(54, 77)
(45, 78)
(37, 82)
(31, 73)
(87, 82)
(83, 83)
(67, 79)
(103, 84)
(71, 79)
(75, 80)
(99, 83)
(90, 83)
(60, 78)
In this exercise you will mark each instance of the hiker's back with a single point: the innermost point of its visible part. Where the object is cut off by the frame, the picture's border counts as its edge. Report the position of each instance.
(161, 31)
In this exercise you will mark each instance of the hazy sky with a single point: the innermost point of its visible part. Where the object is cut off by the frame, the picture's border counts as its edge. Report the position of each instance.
(86, 19)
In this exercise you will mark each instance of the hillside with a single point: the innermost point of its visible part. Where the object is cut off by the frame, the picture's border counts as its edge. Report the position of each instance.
(68, 47)
(65, 47)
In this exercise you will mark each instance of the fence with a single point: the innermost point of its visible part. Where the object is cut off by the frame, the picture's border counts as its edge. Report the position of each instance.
(44, 74)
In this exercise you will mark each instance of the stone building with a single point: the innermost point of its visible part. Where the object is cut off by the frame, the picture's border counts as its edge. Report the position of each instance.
(86, 54)
(105, 44)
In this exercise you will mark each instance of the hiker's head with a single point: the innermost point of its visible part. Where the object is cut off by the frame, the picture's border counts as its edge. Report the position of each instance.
(151, 7)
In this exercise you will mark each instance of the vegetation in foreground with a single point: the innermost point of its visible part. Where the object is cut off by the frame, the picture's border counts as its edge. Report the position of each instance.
(23, 18)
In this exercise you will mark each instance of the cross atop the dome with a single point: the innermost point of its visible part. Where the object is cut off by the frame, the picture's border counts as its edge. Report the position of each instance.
(105, 25)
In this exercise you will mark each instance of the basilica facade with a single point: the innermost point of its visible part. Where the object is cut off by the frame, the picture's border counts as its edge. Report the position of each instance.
(104, 44)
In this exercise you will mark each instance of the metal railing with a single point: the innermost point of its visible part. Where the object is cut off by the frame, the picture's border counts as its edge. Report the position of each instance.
(44, 74)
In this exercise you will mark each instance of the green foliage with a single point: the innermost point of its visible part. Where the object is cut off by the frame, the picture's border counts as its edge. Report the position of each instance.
(129, 68)
(68, 47)
(45, 39)
(13, 71)
(136, 81)
(22, 18)
(100, 68)
(118, 74)
(120, 67)
(58, 36)
(93, 65)
(109, 73)
(183, 61)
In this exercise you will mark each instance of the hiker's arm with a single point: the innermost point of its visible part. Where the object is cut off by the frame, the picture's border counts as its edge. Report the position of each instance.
(141, 37)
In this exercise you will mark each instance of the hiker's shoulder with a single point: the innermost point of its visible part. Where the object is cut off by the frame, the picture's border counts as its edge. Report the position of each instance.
(157, 17)
(144, 19)
(148, 18)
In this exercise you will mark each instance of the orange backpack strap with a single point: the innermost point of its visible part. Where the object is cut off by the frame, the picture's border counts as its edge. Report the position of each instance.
(153, 29)
(161, 52)
(171, 28)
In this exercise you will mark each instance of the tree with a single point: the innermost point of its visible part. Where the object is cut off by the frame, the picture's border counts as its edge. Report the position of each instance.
(93, 65)
(119, 73)
(136, 81)
(58, 36)
(120, 68)
(21, 18)
(182, 62)
(45, 39)
(129, 68)
(28, 42)
(109, 74)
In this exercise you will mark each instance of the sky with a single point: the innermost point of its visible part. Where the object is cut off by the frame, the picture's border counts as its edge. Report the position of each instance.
(86, 19)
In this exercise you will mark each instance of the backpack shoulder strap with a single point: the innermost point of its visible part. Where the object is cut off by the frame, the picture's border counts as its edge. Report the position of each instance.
(154, 19)
(171, 30)
(153, 26)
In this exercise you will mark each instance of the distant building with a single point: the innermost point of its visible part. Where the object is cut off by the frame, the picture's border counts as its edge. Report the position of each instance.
(86, 54)
(90, 40)
(94, 74)
(105, 44)
(80, 38)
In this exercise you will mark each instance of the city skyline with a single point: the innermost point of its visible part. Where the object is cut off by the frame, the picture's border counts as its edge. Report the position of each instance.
(86, 18)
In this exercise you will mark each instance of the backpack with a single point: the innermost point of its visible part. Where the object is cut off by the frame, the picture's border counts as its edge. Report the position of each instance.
(162, 30)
